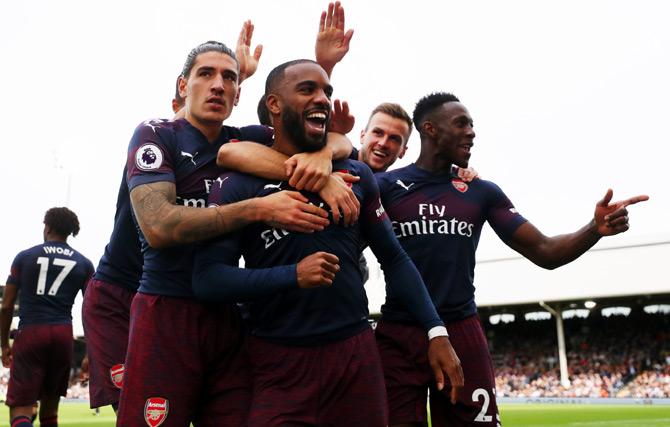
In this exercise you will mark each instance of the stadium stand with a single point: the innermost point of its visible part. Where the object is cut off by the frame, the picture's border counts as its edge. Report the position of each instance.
(616, 356)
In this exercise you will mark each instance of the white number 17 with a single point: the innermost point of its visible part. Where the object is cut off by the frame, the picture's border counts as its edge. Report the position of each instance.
(67, 265)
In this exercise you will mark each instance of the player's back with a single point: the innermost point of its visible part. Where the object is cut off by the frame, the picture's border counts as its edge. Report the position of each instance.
(49, 276)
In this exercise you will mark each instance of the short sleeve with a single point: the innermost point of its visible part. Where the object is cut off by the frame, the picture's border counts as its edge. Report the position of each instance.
(502, 215)
(14, 277)
(148, 159)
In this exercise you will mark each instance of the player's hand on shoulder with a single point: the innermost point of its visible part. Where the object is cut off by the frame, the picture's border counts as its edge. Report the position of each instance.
(339, 196)
(341, 119)
(443, 359)
(316, 270)
(290, 210)
(309, 171)
(467, 174)
(612, 217)
(6, 356)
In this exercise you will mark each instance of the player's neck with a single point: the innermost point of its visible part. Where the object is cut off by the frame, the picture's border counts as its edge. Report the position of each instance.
(210, 130)
(432, 163)
(51, 237)
(284, 144)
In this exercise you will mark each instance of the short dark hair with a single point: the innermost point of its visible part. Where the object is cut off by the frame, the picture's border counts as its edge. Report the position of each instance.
(208, 46)
(430, 103)
(62, 221)
(394, 110)
(263, 112)
(177, 97)
(276, 75)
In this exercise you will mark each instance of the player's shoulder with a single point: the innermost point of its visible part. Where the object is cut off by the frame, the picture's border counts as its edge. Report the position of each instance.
(391, 176)
(257, 133)
(155, 125)
(485, 185)
(30, 252)
(354, 167)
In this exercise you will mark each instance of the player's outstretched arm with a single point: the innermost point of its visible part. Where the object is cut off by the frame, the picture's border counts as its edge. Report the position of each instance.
(165, 224)
(248, 61)
(552, 252)
(332, 42)
(6, 315)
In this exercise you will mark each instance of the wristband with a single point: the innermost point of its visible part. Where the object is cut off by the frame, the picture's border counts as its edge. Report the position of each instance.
(437, 331)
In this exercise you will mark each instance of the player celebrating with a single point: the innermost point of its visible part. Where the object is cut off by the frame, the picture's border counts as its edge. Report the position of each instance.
(312, 351)
(48, 276)
(171, 169)
(106, 309)
(438, 219)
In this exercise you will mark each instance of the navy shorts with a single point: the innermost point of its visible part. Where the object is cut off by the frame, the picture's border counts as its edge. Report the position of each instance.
(337, 384)
(408, 376)
(41, 359)
(186, 362)
(106, 318)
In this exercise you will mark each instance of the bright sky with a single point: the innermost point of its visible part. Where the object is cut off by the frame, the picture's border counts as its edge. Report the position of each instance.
(568, 97)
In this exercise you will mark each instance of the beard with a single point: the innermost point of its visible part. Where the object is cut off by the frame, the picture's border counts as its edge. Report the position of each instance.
(295, 129)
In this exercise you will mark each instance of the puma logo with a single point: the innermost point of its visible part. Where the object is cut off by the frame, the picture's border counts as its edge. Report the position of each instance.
(190, 156)
(402, 184)
(277, 186)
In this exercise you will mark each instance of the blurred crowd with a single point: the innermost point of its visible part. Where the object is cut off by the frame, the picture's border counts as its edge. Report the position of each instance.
(607, 357)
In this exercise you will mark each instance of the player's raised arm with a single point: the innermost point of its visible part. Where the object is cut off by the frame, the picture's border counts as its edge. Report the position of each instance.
(248, 62)
(332, 42)
(552, 252)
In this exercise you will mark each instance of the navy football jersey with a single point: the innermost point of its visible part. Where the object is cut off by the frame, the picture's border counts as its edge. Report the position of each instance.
(121, 263)
(438, 220)
(179, 153)
(48, 277)
(286, 313)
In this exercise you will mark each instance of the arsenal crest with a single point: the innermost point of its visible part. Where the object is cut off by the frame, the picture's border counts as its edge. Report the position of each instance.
(459, 185)
(155, 411)
(116, 373)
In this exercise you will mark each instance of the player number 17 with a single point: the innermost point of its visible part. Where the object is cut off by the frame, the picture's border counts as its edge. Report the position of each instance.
(67, 265)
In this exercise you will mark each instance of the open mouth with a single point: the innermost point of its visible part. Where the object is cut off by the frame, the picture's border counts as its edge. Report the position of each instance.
(380, 154)
(316, 121)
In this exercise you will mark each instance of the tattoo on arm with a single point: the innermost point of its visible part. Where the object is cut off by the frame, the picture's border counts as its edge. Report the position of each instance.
(165, 223)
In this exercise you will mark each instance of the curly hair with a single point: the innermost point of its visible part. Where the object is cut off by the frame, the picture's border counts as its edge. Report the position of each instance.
(62, 221)
(430, 103)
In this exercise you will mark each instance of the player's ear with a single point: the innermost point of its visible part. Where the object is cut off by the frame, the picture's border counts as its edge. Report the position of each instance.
(237, 96)
(428, 129)
(362, 135)
(402, 151)
(273, 104)
(182, 86)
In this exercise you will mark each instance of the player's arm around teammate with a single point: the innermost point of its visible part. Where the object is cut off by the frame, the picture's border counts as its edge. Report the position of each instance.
(305, 171)
(165, 224)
